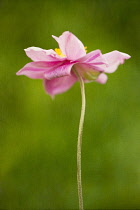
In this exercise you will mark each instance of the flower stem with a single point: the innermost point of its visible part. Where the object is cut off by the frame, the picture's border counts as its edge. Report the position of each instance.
(79, 143)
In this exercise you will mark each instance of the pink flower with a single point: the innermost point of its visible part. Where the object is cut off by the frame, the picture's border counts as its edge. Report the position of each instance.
(56, 67)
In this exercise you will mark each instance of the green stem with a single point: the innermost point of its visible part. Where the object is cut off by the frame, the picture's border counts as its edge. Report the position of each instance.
(79, 143)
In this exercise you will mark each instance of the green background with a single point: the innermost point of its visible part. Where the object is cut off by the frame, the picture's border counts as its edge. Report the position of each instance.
(38, 135)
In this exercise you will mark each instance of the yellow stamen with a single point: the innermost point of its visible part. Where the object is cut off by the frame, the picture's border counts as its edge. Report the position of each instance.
(86, 49)
(59, 52)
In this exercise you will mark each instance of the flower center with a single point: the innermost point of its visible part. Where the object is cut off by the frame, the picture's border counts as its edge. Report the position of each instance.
(59, 52)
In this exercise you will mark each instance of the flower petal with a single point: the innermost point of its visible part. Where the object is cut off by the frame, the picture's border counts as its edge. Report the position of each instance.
(36, 70)
(38, 54)
(70, 45)
(95, 57)
(102, 78)
(60, 71)
(114, 59)
(87, 71)
(59, 85)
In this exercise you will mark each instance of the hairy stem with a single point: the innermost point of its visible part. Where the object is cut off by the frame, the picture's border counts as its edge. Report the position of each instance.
(79, 143)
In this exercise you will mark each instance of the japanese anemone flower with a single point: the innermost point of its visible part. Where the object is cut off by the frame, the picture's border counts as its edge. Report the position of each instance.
(57, 67)
(61, 68)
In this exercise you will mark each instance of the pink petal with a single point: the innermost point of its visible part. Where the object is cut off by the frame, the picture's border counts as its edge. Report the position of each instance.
(114, 59)
(70, 45)
(102, 78)
(59, 85)
(36, 70)
(38, 54)
(60, 71)
(95, 57)
(87, 71)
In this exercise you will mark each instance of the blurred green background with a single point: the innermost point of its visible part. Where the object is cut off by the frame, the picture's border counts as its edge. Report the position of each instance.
(38, 135)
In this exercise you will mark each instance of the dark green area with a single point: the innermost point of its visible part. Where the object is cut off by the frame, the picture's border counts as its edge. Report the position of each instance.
(39, 135)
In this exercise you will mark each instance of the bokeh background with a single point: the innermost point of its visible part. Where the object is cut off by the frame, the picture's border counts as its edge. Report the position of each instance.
(38, 135)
